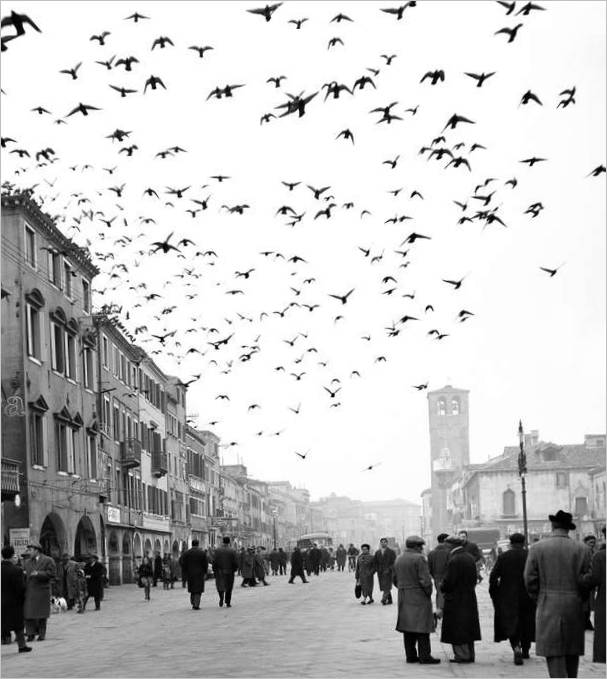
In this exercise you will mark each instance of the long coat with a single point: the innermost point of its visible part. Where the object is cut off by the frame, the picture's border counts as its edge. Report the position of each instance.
(514, 614)
(412, 577)
(460, 611)
(194, 564)
(13, 596)
(38, 587)
(259, 569)
(297, 563)
(384, 563)
(94, 573)
(248, 565)
(553, 576)
(225, 564)
(437, 563)
(365, 570)
(340, 556)
(596, 578)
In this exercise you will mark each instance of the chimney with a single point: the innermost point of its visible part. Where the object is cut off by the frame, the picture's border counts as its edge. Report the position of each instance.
(532, 438)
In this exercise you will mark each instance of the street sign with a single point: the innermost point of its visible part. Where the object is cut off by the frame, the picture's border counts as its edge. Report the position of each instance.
(19, 539)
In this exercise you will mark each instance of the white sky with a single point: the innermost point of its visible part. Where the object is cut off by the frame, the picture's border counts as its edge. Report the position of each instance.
(535, 347)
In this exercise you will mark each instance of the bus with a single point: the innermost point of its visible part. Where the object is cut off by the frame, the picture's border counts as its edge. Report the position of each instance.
(321, 539)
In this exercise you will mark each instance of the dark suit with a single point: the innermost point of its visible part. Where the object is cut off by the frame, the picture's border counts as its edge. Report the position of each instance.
(225, 564)
(384, 565)
(195, 565)
(13, 598)
(95, 573)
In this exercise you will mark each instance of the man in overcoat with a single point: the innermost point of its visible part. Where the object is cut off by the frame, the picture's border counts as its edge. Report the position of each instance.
(437, 563)
(274, 561)
(314, 556)
(554, 575)
(514, 617)
(13, 596)
(259, 568)
(596, 578)
(40, 572)
(69, 580)
(340, 557)
(194, 566)
(158, 568)
(384, 563)
(415, 621)
(247, 568)
(225, 564)
(94, 572)
(297, 566)
(461, 627)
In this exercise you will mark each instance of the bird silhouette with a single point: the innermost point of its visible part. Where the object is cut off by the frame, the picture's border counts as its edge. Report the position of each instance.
(298, 22)
(72, 71)
(434, 76)
(343, 298)
(455, 119)
(164, 245)
(82, 108)
(480, 77)
(100, 38)
(267, 11)
(371, 466)
(201, 50)
(510, 32)
(551, 272)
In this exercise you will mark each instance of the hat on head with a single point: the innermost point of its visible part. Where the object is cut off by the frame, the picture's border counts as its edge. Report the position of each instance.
(517, 539)
(35, 544)
(563, 519)
(414, 541)
(454, 540)
(94, 556)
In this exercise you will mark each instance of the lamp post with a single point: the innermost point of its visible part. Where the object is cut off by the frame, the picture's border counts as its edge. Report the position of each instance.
(522, 471)
(274, 526)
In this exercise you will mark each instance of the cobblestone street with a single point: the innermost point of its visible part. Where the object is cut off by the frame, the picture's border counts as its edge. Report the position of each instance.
(313, 630)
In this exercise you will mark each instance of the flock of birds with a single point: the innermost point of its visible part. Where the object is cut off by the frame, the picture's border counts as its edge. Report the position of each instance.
(120, 242)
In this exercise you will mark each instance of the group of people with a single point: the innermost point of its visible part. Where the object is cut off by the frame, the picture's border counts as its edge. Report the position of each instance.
(539, 594)
(29, 583)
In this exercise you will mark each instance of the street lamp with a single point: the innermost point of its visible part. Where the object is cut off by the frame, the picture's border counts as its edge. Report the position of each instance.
(522, 471)
(274, 512)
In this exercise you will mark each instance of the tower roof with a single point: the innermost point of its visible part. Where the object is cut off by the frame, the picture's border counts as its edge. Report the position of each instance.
(448, 389)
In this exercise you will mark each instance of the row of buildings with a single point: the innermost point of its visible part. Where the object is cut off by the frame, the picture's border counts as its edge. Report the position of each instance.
(570, 477)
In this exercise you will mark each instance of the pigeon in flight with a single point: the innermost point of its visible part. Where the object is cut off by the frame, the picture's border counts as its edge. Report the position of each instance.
(266, 11)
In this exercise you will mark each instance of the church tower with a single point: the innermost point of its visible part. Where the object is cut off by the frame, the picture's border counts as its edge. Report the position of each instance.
(449, 448)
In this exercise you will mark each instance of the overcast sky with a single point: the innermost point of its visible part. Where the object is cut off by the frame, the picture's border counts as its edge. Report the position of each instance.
(534, 348)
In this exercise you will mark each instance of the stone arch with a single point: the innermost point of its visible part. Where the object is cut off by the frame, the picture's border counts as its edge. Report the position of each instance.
(157, 546)
(113, 543)
(85, 541)
(137, 549)
(127, 558)
(175, 547)
(52, 536)
(166, 549)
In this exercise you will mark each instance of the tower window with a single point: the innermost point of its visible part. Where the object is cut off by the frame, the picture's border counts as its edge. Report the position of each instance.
(455, 406)
(441, 406)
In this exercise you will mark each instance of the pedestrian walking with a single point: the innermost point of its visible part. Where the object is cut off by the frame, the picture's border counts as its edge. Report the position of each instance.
(364, 573)
(514, 617)
(157, 568)
(274, 561)
(461, 627)
(437, 564)
(415, 620)
(81, 588)
(69, 580)
(94, 573)
(324, 559)
(195, 565)
(40, 571)
(225, 564)
(596, 578)
(553, 575)
(13, 598)
(297, 566)
(241, 555)
(590, 542)
(167, 576)
(340, 557)
(352, 554)
(259, 567)
(282, 561)
(145, 575)
(247, 568)
(314, 555)
(384, 563)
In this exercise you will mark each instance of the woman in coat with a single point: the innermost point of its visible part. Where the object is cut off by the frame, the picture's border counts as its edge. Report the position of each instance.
(514, 617)
(364, 573)
(460, 626)
(40, 571)
(146, 575)
(94, 573)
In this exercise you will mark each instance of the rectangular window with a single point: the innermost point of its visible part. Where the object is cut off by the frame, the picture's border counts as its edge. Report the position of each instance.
(116, 362)
(58, 348)
(107, 415)
(73, 450)
(123, 373)
(86, 296)
(105, 357)
(30, 246)
(67, 279)
(33, 325)
(91, 454)
(116, 423)
(54, 268)
(581, 506)
(561, 480)
(62, 446)
(88, 368)
(37, 438)
(70, 356)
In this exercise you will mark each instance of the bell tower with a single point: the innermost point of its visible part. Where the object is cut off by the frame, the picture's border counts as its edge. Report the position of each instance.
(449, 448)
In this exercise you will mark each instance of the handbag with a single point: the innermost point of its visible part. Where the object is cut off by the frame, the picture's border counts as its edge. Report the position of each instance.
(358, 590)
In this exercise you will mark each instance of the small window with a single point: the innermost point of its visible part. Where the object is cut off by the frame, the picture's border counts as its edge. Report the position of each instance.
(455, 406)
(70, 356)
(562, 480)
(88, 368)
(581, 506)
(441, 406)
(86, 296)
(67, 279)
(58, 348)
(54, 268)
(37, 442)
(30, 246)
(33, 331)
(508, 502)
(91, 453)
(106, 352)
(63, 442)
(116, 423)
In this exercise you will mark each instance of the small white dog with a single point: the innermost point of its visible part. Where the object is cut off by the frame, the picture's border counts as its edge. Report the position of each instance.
(58, 604)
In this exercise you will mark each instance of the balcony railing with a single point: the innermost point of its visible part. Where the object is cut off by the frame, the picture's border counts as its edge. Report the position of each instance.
(130, 452)
(159, 463)
(10, 479)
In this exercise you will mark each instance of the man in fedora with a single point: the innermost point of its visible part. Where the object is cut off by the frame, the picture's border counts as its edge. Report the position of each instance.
(553, 575)
(40, 571)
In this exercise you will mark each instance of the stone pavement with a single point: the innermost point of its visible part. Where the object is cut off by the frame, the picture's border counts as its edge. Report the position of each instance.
(313, 630)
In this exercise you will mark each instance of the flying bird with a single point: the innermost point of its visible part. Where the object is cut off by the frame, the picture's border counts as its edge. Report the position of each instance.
(266, 11)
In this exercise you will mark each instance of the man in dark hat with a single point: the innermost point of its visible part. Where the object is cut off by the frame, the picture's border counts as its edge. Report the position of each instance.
(514, 617)
(437, 563)
(13, 596)
(412, 578)
(553, 574)
(40, 571)
(94, 572)
(461, 627)
(195, 566)
(225, 564)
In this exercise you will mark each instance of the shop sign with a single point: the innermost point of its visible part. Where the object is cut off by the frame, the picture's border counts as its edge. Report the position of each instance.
(19, 539)
(113, 515)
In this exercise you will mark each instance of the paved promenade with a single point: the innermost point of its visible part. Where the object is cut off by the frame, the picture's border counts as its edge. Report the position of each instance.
(313, 630)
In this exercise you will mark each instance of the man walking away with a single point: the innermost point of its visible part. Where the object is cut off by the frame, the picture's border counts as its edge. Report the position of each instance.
(195, 566)
(553, 575)
(274, 561)
(94, 573)
(384, 563)
(13, 597)
(297, 566)
(461, 627)
(282, 561)
(225, 564)
(514, 617)
(314, 555)
(158, 568)
(437, 564)
(596, 578)
(40, 571)
(412, 577)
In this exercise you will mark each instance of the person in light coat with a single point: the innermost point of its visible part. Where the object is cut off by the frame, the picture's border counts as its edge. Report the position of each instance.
(415, 619)
(554, 574)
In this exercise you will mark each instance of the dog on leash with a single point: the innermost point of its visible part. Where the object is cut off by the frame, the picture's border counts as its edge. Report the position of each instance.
(58, 604)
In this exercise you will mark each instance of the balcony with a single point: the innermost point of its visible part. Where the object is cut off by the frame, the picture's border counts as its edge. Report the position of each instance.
(159, 463)
(10, 479)
(130, 453)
